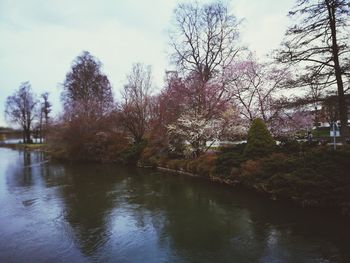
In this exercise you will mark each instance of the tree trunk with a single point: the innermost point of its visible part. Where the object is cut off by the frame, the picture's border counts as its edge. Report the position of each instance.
(41, 127)
(343, 110)
(316, 123)
(27, 132)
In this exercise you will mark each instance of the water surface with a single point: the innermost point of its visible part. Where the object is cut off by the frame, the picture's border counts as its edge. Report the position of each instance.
(54, 212)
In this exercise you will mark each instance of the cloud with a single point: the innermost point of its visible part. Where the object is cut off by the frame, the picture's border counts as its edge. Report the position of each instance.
(40, 39)
(264, 23)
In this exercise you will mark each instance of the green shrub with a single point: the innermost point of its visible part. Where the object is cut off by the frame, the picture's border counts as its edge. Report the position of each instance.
(206, 164)
(202, 166)
(237, 148)
(290, 147)
(260, 142)
(155, 152)
(132, 154)
(307, 146)
(226, 161)
(319, 177)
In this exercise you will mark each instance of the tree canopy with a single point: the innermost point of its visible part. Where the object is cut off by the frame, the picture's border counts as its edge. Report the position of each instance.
(86, 90)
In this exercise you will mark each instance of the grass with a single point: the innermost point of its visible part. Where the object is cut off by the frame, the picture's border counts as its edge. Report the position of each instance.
(26, 146)
(321, 133)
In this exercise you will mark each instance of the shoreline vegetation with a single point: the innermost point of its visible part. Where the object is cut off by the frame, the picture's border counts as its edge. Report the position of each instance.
(304, 173)
(309, 185)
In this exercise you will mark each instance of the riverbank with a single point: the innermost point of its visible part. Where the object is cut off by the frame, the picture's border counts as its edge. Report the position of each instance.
(304, 173)
(310, 177)
(24, 146)
(213, 179)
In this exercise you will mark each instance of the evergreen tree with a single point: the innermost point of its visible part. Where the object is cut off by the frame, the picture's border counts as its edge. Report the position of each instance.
(260, 141)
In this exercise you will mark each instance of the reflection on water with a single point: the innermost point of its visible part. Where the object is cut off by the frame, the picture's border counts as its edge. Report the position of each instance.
(105, 213)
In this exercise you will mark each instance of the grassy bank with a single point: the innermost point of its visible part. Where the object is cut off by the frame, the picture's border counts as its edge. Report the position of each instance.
(311, 176)
(24, 146)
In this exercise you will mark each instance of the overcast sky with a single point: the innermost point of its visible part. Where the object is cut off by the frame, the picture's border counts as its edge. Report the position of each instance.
(39, 39)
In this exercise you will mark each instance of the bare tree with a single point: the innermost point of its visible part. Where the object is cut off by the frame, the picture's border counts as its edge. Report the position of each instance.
(88, 103)
(87, 91)
(45, 109)
(205, 42)
(254, 87)
(319, 45)
(205, 39)
(136, 106)
(20, 109)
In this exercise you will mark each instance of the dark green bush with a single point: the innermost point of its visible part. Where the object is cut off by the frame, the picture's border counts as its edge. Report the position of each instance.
(132, 154)
(307, 146)
(319, 177)
(237, 148)
(289, 147)
(260, 142)
(226, 161)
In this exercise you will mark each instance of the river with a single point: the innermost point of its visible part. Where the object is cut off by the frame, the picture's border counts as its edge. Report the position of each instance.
(52, 212)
